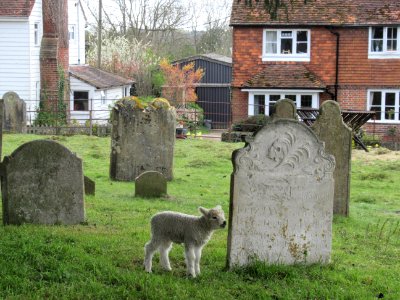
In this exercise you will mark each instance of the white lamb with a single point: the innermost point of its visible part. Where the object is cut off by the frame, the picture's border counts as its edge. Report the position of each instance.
(168, 227)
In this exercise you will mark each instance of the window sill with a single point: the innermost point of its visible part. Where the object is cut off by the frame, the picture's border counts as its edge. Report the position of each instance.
(286, 58)
(383, 55)
(384, 122)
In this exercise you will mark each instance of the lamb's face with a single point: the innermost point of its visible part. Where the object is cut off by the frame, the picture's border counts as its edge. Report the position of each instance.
(215, 216)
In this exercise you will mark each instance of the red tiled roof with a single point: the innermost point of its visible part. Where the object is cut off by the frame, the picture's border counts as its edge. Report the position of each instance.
(98, 78)
(16, 8)
(285, 76)
(319, 12)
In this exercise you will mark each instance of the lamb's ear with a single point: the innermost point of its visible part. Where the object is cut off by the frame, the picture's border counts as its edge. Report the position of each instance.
(203, 210)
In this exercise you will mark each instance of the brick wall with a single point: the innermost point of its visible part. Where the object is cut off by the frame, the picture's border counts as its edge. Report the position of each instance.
(357, 73)
(54, 50)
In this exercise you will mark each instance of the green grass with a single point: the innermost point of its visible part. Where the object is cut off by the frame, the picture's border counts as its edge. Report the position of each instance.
(103, 259)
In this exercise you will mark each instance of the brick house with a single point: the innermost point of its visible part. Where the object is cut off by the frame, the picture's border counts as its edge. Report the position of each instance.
(310, 52)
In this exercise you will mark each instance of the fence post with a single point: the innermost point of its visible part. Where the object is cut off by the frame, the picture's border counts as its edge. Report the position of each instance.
(90, 117)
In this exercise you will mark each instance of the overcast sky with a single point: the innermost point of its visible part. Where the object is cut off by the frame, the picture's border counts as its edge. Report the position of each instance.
(218, 9)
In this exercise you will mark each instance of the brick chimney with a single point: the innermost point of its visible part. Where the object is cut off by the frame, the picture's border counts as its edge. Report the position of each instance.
(54, 50)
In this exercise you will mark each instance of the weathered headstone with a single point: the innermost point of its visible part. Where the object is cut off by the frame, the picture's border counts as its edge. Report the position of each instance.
(337, 137)
(42, 183)
(285, 109)
(141, 140)
(281, 197)
(150, 184)
(14, 115)
(1, 127)
(90, 186)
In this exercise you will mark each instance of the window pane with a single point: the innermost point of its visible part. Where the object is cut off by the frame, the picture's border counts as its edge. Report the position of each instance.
(389, 113)
(286, 34)
(301, 48)
(391, 45)
(291, 97)
(392, 33)
(377, 33)
(259, 104)
(81, 101)
(271, 48)
(390, 99)
(271, 42)
(270, 36)
(302, 36)
(377, 46)
(306, 101)
(274, 98)
(378, 112)
(376, 98)
(286, 46)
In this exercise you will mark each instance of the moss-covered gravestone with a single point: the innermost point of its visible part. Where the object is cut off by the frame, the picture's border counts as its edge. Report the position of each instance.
(42, 183)
(150, 184)
(142, 139)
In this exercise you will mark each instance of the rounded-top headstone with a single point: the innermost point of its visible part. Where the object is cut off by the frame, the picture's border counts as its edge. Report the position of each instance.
(14, 113)
(285, 109)
(151, 184)
(43, 184)
(337, 136)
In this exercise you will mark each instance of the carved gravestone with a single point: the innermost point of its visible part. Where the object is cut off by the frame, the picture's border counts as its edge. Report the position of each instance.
(337, 137)
(90, 186)
(42, 184)
(150, 184)
(281, 197)
(141, 140)
(14, 115)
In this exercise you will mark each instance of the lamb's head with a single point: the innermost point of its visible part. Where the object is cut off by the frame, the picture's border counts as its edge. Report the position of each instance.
(214, 216)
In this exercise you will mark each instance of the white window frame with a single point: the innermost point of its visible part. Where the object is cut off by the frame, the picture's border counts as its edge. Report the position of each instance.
(384, 54)
(72, 29)
(286, 57)
(382, 110)
(36, 33)
(282, 93)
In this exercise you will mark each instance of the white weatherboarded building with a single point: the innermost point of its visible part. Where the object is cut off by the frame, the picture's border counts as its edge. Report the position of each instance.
(21, 33)
(93, 91)
(21, 30)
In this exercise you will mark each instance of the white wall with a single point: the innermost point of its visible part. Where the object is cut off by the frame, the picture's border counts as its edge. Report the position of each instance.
(34, 97)
(19, 58)
(100, 107)
(76, 45)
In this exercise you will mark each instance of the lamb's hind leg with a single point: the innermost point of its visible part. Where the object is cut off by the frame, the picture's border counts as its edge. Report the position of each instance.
(149, 250)
(164, 251)
(197, 254)
(190, 257)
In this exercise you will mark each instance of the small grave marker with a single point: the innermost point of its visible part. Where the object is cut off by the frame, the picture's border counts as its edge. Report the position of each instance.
(150, 184)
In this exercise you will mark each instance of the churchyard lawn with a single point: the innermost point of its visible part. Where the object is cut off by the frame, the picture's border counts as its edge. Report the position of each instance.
(103, 258)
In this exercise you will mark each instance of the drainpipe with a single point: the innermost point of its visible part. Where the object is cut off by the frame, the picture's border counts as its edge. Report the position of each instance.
(336, 86)
(77, 32)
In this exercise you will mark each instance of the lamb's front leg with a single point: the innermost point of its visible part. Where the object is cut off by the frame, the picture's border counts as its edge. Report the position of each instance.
(197, 253)
(190, 259)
